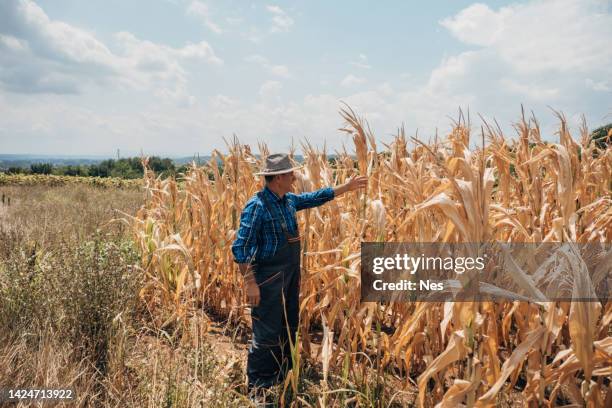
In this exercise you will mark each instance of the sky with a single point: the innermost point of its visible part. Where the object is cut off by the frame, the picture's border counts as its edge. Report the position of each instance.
(180, 77)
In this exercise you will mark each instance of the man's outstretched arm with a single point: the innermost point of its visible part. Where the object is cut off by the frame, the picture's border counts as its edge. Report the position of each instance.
(354, 183)
(316, 198)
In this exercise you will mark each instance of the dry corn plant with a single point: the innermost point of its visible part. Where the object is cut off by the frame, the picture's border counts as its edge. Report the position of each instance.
(522, 190)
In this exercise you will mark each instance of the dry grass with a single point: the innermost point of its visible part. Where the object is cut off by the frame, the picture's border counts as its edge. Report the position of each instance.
(522, 190)
(70, 315)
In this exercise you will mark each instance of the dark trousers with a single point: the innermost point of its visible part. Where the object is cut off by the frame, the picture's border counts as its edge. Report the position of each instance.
(275, 319)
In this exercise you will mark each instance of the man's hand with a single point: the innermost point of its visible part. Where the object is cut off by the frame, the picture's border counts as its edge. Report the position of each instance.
(251, 288)
(354, 183)
(252, 292)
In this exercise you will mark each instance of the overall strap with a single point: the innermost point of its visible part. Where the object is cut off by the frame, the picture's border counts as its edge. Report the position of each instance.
(266, 203)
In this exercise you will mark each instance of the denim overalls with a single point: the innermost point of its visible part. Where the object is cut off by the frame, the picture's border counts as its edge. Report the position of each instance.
(275, 319)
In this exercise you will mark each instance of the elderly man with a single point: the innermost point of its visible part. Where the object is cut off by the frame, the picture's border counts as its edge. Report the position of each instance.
(267, 250)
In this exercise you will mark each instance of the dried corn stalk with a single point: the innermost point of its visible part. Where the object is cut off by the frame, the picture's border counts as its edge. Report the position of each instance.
(522, 190)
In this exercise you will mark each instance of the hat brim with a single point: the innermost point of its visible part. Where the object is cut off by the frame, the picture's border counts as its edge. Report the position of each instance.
(274, 173)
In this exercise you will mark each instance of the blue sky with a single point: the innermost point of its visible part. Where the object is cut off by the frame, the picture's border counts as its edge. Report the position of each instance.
(175, 77)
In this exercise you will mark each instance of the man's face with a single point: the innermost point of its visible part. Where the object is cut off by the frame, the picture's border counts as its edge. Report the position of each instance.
(285, 182)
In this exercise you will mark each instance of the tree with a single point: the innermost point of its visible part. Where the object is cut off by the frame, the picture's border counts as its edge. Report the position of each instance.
(41, 168)
(16, 170)
(602, 136)
(71, 170)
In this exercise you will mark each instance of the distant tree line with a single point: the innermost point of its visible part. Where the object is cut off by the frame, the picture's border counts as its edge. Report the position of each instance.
(131, 167)
(602, 136)
(127, 168)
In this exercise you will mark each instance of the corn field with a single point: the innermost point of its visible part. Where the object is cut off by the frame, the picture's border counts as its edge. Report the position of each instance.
(469, 187)
(52, 180)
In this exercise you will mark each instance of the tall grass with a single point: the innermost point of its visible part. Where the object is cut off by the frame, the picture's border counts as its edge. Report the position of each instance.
(66, 276)
(70, 312)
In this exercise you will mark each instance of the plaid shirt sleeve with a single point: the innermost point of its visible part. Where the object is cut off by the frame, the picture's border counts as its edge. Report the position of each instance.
(313, 199)
(244, 247)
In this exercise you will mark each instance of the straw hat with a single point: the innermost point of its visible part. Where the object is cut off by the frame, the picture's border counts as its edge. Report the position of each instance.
(278, 163)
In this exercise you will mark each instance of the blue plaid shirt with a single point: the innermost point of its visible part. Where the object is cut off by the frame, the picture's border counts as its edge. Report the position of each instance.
(260, 233)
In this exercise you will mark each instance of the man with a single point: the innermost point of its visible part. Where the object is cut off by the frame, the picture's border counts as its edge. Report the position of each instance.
(267, 250)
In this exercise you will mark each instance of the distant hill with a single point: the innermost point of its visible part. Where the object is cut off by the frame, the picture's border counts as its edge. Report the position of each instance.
(205, 159)
(25, 160)
(178, 161)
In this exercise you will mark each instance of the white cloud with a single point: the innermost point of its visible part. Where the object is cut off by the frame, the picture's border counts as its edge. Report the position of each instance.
(152, 66)
(220, 101)
(532, 90)
(386, 89)
(13, 44)
(537, 53)
(200, 10)
(543, 35)
(254, 35)
(40, 55)
(481, 79)
(277, 70)
(351, 80)
(280, 70)
(201, 50)
(602, 86)
(477, 24)
(362, 62)
(270, 91)
(281, 21)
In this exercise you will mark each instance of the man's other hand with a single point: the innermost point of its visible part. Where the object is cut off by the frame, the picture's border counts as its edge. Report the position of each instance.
(252, 292)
